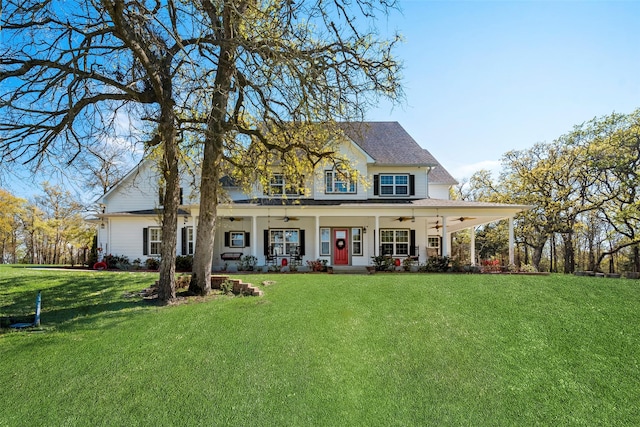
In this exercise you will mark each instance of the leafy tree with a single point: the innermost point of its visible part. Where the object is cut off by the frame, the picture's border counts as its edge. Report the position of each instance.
(285, 72)
(11, 209)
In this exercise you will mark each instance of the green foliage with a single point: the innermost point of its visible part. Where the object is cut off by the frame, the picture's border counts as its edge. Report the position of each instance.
(184, 262)
(226, 287)
(152, 263)
(119, 262)
(383, 262)
(436, 264)
(247, 263)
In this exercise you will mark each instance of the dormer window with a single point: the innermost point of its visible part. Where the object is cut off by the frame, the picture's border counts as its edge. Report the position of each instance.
(337, 182)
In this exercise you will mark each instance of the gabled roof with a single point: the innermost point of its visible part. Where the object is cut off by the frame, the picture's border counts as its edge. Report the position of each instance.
(388, 143)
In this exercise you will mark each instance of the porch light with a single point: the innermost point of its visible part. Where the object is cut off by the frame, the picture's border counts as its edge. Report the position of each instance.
(102, 225)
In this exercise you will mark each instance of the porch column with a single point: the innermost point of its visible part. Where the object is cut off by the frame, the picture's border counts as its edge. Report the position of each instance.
(376, 237)
(445, 238)
(511, 242)
(472, 245)
(316, 249)
(254, 236)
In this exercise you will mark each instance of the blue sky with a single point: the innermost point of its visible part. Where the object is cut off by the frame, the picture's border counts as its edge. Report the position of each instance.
(486, 77)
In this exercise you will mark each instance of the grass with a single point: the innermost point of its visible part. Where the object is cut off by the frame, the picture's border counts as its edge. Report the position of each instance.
(330, 350)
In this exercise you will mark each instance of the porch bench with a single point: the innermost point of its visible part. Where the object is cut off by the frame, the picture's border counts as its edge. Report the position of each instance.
(231, 256)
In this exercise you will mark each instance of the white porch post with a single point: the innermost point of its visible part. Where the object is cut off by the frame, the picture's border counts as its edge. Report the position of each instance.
(445, 238)
(316, 249)
(511, 242)
(472, 245)
(254, 236)
(376, 234)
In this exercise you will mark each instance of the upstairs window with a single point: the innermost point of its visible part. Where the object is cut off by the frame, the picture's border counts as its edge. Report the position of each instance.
(337, 182)
(394, 185)
(278, 186)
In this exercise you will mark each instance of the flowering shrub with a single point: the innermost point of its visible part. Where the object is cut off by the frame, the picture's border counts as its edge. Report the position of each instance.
(491, 266)
(317, 265)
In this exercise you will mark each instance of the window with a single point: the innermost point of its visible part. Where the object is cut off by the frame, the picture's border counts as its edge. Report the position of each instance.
(325, 241)
(285, 241)
(189, 240)
(394, 242)
(236, 239)
(279, 187)
(433, 242)
(356, 241)
(394, 185)
(337, 182)
(155, 240)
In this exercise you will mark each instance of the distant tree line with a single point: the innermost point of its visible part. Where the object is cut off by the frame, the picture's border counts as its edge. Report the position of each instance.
(50, 229)
(583, 189)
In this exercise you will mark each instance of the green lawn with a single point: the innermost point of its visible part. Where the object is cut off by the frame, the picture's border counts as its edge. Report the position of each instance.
(326, 350)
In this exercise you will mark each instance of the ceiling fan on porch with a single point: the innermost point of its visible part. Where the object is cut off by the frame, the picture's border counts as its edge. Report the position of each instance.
(405, 218)
(438, 226)
(234, 218)
(288, 218)
(463, 218)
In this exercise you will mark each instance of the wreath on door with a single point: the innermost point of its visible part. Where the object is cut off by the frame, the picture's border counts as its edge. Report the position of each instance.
(340, 243)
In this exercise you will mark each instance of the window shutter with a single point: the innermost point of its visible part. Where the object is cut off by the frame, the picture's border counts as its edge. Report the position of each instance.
(412, 242)
(247, 239)
(161, 196)
(376, 180)
(226, 238)
(181, 199)
(266, 242)
(145, 241)
(302, 251)
(184, 240)
(412, 185)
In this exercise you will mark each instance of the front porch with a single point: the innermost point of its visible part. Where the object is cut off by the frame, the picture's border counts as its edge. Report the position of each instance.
(348, 233)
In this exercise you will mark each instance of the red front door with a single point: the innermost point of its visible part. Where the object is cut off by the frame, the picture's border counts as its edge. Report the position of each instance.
(340, 247)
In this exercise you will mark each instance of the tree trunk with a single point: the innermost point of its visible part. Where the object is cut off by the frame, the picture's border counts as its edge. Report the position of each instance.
(569, 255)
(205, 236)
(213, 147)
(636, 258)
(166, 283)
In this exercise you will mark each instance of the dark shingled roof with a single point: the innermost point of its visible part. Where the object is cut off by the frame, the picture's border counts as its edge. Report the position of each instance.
(389, 144)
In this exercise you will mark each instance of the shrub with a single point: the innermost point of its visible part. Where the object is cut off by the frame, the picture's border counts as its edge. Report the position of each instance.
(226, 287)
(436, 264)
(528, 268)
(382, 262)
(152, 263)
(247, 263)
(184, 263)
(407, 263)
(120, 262)
(317, 265)
(491, 266)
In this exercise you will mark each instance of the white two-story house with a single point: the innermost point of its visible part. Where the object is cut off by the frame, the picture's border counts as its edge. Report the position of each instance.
(403, 210)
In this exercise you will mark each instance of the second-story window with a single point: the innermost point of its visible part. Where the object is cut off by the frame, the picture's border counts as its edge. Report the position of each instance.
(337, 182)
(394, 185)
(278, 186)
